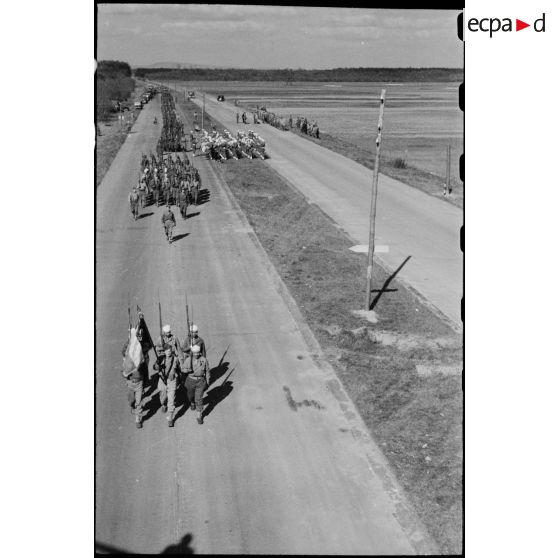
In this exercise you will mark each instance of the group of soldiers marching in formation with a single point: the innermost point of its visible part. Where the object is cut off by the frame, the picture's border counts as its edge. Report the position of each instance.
(177, 366)
(166, 180)
(222, 146)
(172, 134)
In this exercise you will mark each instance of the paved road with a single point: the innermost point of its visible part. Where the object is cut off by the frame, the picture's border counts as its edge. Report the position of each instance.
(266, 472)
(410, 222)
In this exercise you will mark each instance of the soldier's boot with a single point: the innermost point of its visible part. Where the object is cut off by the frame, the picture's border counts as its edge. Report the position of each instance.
(170, 420)
(139, 422)
(193, 406)
(200, 417)
(164, 409)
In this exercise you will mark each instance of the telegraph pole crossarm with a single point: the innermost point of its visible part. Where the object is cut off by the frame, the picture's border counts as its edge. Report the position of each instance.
(374, 197)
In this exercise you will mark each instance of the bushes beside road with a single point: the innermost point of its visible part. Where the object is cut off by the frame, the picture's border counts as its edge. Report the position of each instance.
(113, 82)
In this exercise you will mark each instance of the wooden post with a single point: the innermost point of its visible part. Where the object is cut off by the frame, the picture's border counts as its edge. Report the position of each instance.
(448, 161)
(373, 203)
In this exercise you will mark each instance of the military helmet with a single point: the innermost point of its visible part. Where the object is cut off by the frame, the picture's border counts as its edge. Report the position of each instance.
(194, 328)
(166, 328)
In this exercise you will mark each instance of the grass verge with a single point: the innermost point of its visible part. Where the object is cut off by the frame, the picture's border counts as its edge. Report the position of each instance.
(109, 138)
(416, 418)
(427, 182)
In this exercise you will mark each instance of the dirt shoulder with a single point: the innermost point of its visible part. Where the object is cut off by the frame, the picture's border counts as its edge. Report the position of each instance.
(402, 372)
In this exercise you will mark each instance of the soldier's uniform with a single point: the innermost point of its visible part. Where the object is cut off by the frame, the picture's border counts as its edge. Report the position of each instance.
(133, 198)
(169, 222)
(194, 339)
(197, 369)
(169, 378)
(135, 381)
(168, 339)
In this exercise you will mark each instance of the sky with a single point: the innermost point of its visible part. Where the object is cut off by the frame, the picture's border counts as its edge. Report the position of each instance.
(277, 36)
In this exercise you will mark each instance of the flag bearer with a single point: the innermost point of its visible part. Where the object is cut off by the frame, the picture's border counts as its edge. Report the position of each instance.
(134, 370)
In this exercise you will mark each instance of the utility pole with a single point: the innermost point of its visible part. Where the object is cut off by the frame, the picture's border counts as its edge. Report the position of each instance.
(373, 203)
(448, 161)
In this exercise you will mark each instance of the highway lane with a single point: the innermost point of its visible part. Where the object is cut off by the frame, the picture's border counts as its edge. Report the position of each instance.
(265, 473)
(409, 222)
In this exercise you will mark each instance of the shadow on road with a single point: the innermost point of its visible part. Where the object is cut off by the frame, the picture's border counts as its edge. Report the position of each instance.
(179, 237)
(190, 215)
(182, 547)
(384, 288)
(215, 395)
(203, 196)
(144, 215)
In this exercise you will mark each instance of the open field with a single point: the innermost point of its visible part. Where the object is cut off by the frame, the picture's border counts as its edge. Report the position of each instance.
(420, 119)
(403, 373)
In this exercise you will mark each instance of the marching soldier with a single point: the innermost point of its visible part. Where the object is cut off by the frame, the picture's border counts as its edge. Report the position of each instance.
(169, 377)
(135, 380)
(194, 339)
(133, 198)
(168, 339)
(169, 222)
(142, 190)
(197, 380)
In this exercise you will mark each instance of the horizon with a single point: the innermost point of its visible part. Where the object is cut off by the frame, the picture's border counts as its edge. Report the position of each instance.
(278, 37)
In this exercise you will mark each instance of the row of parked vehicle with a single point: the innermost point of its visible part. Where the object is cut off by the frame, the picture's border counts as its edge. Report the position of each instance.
(149, 93)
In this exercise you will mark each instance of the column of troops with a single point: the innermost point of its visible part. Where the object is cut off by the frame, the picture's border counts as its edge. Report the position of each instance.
(172, 134)
(166, 180)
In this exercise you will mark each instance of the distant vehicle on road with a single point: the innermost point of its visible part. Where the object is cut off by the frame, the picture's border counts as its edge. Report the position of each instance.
(220, 98)
(191, 95)
(138, 105)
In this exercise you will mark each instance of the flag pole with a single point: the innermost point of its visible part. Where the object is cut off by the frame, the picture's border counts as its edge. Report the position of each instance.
(374, 197)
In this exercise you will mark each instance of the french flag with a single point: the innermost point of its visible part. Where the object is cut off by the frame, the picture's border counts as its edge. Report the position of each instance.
(134, 354)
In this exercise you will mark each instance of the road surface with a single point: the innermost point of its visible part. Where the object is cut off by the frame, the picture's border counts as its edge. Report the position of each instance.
(410, 222)
(283, 463)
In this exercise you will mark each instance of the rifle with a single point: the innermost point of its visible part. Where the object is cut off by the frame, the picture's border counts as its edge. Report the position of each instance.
(161, 332)
(188, 324)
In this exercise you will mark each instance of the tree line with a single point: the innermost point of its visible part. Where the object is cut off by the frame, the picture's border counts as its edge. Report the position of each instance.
(289, 75)
(113, 82)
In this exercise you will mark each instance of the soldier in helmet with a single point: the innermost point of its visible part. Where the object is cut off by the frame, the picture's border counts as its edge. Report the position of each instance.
(169, 379)
(168, 338)
(194, 339)
(197, 369)
(133, 198)
(169, 222)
